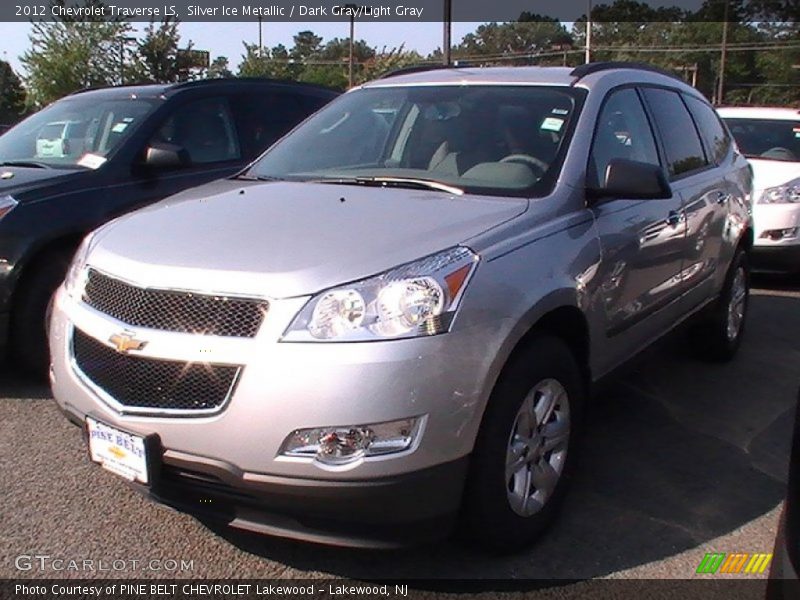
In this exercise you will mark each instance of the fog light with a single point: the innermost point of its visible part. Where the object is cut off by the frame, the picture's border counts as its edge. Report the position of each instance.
(341, 445)
(780, 234)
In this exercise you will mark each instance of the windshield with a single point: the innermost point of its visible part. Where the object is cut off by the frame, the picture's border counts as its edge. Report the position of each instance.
(79, 131)
(505, 140)
(767, 138)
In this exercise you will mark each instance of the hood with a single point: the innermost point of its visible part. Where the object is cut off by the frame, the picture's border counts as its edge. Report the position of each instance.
(288, 239)
(19, 180)
(770, 173)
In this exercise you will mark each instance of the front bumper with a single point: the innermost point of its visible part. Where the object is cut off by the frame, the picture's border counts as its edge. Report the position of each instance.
(233, 457)
(776, 255)
(387, 512)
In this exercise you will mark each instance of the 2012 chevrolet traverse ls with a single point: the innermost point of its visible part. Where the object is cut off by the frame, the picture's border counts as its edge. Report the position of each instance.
(391, 321)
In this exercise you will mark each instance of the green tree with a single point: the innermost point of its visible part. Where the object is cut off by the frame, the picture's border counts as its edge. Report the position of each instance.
(386, 61)
(161, 60)
(219, 68)
(306, 45)
(333, 60)
(274, 63)
(67, 55)
(12, 95)
(531, 35)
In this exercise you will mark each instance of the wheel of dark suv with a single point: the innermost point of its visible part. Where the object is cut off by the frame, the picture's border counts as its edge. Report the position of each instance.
(718, 336)
(526, 448)
(28, 321)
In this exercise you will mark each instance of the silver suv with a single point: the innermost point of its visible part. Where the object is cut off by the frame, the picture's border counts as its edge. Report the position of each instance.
(391, 322)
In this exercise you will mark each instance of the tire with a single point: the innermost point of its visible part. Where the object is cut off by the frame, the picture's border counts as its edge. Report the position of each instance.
(506, 511)
(718, 336)
(29, 347)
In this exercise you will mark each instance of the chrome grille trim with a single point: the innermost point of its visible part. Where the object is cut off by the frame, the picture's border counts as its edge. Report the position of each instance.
(124, 409)
(173, 310)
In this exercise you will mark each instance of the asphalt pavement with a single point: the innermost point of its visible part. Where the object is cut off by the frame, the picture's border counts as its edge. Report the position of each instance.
(681, 458)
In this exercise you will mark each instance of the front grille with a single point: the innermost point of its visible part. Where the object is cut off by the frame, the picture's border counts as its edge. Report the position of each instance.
(148, 383)
(184, 312)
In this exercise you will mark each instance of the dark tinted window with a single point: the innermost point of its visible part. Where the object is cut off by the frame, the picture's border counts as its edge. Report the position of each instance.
(681, 141)
(717, 139)
(766, 138)
(263, 117)
(623, 131)
(204, 128)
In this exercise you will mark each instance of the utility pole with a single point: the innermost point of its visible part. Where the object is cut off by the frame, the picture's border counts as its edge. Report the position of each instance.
(723, 56)
(260, 38)
(352, 41)
(350, 61)
(447, 37)
(588, 56)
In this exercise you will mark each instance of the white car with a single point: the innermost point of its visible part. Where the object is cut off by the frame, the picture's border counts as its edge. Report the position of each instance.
(53, 140)
(770, 139)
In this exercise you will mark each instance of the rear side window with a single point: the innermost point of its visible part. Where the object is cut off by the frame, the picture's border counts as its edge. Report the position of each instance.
(263, 117)
(718, 141)
(623, 131)
(204, 128)
(682, 143)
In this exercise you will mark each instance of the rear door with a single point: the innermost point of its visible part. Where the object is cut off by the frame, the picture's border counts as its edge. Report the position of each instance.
(263, 117)
(642, 240)
(693, 175)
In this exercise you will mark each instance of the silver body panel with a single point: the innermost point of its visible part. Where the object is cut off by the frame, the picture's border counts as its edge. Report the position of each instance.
(619, 264)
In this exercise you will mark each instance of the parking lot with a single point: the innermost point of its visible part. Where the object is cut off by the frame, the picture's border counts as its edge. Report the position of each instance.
(681, 458)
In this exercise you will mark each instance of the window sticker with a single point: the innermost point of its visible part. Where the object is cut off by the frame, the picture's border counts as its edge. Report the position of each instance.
(552, 124)
(91, 161)
(119, 127)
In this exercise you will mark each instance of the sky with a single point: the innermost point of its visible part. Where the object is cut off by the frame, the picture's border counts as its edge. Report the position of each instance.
(225, 39)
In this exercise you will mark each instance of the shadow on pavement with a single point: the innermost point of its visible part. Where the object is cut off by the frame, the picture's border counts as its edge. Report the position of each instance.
(677, 452)
(15, 384)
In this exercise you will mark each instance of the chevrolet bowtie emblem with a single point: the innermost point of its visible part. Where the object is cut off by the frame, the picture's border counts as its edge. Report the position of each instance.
(125, 342)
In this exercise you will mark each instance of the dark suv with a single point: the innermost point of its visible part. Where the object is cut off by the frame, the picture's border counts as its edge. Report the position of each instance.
(97, 154)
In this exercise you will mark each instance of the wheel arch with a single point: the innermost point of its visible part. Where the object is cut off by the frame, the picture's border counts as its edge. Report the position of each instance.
(36, 256)
(557, 315)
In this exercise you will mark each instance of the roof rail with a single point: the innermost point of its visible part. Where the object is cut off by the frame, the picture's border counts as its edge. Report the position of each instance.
(178, 85)
(595, 67)
(211, 81)
(412, 69)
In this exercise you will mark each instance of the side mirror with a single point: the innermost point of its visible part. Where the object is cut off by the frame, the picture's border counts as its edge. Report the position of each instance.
(161, 155)
(632, 179)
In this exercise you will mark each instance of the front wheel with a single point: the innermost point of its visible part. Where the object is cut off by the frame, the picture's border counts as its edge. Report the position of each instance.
(31, 312)
(526, 447)
(719, 335)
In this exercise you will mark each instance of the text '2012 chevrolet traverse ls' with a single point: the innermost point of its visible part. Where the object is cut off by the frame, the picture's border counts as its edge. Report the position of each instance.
(391, 322)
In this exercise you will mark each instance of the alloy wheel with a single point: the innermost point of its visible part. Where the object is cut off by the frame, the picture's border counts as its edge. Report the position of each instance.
(537, 447)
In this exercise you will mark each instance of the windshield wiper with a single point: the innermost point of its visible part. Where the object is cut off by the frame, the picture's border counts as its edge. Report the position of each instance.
(256, 178)
(25, 163)
(385, 181)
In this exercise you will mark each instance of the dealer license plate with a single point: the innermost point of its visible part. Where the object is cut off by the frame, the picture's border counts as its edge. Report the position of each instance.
(118, 451)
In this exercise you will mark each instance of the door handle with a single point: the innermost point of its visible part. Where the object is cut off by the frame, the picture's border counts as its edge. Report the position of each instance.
(723, 197)
(674, 218)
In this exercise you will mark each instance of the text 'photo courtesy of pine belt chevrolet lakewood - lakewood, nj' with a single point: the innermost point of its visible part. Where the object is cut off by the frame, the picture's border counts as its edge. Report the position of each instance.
(387, 328)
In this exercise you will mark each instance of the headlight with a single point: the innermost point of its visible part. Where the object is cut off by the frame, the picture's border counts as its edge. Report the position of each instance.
(342, 445)
(782, 194)
(416, 299)
(75, 280)
(7, 204)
